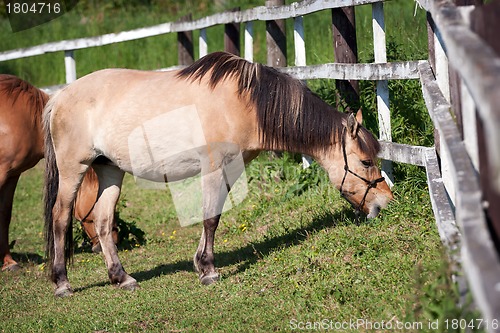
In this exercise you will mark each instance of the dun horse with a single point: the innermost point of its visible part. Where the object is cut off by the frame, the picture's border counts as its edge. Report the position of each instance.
(21, 147)
(166, 126)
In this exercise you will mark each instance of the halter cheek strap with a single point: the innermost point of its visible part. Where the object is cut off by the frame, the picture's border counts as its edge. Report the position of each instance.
(370, 184)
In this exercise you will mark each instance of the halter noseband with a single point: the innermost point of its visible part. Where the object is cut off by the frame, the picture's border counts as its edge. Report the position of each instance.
(370, 184)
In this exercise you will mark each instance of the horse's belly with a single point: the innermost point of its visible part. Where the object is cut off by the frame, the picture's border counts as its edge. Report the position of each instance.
(176, 167)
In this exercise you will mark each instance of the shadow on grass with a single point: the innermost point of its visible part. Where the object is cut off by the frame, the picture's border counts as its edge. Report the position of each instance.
(27, 258)
(251, 253)
(245, 256)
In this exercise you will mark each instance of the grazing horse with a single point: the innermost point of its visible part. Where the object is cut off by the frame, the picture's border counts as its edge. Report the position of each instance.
(166, 126)
(21, 147)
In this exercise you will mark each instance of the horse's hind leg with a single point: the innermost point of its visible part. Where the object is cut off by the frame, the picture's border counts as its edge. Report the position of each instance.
(61, 224)
(110, 182)
(7, 189)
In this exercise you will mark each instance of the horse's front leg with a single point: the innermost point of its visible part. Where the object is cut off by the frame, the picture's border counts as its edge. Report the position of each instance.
(215, 192)
(204, 262)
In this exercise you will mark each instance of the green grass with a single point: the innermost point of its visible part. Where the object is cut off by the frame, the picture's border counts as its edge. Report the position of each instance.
(290, 253)
(285, 256)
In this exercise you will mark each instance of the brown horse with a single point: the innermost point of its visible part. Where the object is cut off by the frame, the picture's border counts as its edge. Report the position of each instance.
(167, 126)
(21, 147)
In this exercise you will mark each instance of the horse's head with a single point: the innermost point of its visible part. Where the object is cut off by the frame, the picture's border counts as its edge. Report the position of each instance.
(354, 169)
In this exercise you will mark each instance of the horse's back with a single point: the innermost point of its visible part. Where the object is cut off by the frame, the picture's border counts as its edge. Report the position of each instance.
(138, 118)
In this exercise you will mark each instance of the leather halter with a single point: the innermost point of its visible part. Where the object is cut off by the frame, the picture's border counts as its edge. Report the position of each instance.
(370, 184)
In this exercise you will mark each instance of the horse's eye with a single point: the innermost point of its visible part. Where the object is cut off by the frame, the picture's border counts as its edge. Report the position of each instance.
(367, 163)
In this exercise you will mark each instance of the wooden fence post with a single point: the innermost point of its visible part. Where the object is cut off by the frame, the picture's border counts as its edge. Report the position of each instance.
(249, 41)
(442, 78)
(232, 36)
(484, 21)
(185, 49)
(300, 60)
(276, 38)
(384, 114)
(203, 43)
(345, 49)
(70, 65)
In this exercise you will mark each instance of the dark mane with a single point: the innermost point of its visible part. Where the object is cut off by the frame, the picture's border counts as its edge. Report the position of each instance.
(15, 89)
(290, 116)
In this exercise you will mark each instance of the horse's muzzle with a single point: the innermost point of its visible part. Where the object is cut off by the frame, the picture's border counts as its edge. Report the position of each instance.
(374, 212)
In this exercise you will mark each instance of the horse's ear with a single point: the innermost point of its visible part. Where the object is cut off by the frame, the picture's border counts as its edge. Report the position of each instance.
(359, 116)
(353, 123)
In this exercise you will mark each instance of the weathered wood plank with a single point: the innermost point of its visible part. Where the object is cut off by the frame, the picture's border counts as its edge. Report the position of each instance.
(469, 125)
(185, 47)
(441, 205)
(383, 110)
(203, 43)
(249, 41)
(300, 60)
(402, 153)
(480, 258)
(484, 21)
(276, 37)
(385, 71)
(261, 13)
(388, 71)
(445, 220)
(479, 67)
(345, 50)
(70, 66)
(232, 37)
(299, 41)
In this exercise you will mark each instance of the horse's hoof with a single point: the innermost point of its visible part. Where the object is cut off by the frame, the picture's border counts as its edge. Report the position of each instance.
(209, 279)
(131, 285)
(11, 267)
(63, 291)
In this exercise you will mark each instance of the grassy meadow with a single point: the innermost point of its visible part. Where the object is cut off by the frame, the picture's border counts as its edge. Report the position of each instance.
(291, 255)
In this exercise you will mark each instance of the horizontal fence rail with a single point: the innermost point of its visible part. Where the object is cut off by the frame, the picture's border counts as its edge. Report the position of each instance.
(339, 71)
(261, 13)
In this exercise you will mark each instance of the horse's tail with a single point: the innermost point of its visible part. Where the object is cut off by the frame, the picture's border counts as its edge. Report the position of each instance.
(51, 189)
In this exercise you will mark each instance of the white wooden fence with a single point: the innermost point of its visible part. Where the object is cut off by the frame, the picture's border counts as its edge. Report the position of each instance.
(461, 222)
(478, 66)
